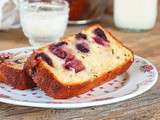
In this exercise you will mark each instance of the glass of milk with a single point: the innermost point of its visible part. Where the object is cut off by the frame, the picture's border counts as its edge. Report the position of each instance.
(43, 21)
(135, 15)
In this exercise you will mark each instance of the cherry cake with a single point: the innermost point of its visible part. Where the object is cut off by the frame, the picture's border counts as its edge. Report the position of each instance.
(78, 63)
(12, 72)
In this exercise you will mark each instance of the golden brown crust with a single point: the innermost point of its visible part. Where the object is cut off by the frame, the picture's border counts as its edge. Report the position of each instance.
(49, 83)
(16, 78)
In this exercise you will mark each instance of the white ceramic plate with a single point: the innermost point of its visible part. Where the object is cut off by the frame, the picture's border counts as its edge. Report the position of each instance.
(140, 77)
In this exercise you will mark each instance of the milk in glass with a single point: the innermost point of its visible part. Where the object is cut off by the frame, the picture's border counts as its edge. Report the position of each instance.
(44, 22)
(135, 14)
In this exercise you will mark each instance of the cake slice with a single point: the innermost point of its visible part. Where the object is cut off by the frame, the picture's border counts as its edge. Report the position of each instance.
(78, 63)
(12, 73)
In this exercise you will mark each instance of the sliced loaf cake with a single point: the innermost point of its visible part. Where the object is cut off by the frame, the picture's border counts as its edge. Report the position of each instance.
(78, 63)
(12, 73)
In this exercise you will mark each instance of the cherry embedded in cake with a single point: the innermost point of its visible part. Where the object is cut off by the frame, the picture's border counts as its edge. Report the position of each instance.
(44, 57)
(100, 41)
(83, 47)
(99, 32)
(79, 63)
(74, 64)
(100, 37)
(81, 36)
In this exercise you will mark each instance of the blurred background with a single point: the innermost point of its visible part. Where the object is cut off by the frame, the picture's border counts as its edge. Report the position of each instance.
(82, 13)
(96, 8)
(109, 7)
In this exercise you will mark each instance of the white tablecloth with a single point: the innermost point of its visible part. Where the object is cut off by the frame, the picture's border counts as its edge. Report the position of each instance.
(9, 15)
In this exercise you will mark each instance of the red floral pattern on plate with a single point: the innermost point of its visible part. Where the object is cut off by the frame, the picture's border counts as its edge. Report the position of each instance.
(107, 92)
(147, 68)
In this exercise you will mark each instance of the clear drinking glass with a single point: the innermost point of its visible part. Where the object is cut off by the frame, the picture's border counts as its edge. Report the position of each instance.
(43, 21)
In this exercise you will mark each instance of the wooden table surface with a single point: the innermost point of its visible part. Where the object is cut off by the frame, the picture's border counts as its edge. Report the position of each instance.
(143, 107)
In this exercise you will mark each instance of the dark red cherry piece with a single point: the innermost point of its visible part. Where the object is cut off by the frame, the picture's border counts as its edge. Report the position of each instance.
(81, 36)
(83, 47)
(99, 32)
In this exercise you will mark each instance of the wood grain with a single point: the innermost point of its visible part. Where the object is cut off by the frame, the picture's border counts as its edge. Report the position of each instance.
(143, 107)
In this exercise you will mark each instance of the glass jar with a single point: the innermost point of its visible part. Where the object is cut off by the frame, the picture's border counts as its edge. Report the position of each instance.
(86, 11)
(135, 15)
